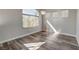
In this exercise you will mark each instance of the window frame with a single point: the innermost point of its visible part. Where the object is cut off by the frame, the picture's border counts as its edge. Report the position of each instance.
(30, 15)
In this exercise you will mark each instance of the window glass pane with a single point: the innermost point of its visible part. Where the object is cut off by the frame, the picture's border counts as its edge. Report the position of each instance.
(30, 21)
(30, 12)
(64, 13)
(55, 14)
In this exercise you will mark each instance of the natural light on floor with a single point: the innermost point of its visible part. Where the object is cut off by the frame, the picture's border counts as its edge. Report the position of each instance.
(34, 46)
(37, 45)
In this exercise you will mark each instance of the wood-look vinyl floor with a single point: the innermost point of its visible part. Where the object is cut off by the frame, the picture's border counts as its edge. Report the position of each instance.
(53, 42)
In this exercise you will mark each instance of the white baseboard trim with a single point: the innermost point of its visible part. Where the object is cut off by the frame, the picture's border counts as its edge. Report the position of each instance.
(69, 34)
(35, 32)
(19, 37)
(77, 38)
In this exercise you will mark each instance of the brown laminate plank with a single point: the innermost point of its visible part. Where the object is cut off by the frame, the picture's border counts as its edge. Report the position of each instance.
(59, 42)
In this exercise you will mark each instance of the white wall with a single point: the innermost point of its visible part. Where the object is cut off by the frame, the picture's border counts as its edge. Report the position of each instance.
(65, 24)
(11, 25)
(77, 26)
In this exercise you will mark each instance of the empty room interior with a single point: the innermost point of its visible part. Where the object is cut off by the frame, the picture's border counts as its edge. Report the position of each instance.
(39, 29)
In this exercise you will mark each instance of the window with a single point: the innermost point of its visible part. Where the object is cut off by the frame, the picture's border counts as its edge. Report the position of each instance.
(30, 18)
(55, 14)
(64, 13)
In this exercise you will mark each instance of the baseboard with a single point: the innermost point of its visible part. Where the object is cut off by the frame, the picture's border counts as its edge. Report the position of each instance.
(18, 37)
(77, 40)
(72, 36)
(69, 34)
